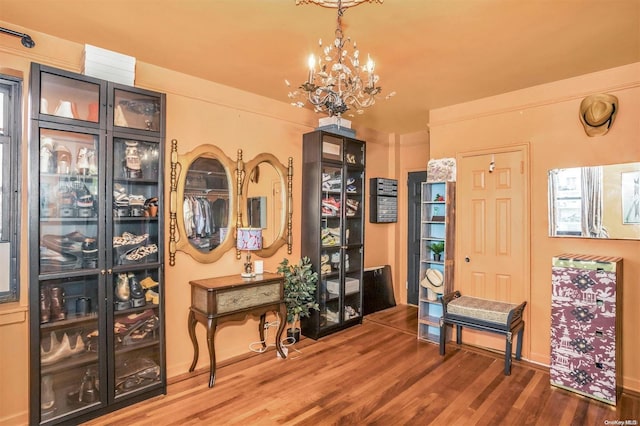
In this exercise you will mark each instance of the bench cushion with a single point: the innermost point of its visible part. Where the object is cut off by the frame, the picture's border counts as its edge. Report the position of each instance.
(481, 309)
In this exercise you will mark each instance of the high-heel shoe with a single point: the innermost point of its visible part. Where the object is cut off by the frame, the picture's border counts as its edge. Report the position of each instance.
(141, 330)
(88, 392)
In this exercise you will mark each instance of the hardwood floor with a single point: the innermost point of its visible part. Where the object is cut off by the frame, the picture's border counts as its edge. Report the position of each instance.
(378, 374)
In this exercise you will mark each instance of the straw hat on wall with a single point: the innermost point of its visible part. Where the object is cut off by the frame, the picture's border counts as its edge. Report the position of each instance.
(597, 113)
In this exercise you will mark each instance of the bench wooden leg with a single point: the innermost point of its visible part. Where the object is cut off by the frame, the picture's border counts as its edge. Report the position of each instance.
(507, 355)
(519, 344)
(443, 336)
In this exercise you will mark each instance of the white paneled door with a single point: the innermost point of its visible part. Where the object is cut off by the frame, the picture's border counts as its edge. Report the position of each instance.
(493, 231)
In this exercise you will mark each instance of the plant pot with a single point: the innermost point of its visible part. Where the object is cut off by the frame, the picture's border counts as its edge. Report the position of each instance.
(437, 257)
(293, 333)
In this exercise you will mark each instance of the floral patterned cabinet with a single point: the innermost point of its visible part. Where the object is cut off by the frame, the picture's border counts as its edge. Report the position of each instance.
(586, 327)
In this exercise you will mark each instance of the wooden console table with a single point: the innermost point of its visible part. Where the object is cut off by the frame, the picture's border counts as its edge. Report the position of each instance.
(232, 298)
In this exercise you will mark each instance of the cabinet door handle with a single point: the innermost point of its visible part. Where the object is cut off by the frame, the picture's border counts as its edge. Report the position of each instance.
(467, 259)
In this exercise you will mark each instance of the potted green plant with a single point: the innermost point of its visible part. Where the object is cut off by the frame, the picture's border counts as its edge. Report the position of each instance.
(437, 248)
(299, 292)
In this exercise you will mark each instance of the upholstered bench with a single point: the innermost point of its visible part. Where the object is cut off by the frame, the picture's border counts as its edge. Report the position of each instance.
(481, 314)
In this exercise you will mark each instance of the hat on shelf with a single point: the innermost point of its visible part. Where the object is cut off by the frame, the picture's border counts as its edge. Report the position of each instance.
(597, 113)
(433, 280)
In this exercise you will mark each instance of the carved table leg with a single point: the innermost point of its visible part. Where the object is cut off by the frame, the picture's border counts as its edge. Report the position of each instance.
(192, 333)
(211, 332)
(261, 330)
(282, 317)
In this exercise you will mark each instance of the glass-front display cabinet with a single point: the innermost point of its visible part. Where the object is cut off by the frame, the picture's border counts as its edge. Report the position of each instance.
(95, 237)
(333, 228)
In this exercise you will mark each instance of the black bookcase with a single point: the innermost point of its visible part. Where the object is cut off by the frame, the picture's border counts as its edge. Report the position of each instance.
(95, 245)
(333, 196)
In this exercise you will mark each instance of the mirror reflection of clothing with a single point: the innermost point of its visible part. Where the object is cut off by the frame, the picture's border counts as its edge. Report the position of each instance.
(203, 217)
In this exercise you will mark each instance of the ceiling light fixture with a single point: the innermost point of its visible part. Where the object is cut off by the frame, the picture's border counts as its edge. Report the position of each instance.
(337, 80)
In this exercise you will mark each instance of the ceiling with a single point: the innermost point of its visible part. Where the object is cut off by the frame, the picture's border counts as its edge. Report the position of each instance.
(432, 53)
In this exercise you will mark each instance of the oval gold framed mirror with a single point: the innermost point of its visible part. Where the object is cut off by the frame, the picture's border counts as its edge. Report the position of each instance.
(267, 201)
(203, 205)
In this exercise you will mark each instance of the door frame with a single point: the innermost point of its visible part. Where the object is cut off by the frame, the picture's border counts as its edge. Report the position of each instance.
(413, 286)
(525, 149)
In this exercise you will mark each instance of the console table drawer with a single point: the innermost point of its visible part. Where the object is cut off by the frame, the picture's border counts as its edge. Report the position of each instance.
(241, 298)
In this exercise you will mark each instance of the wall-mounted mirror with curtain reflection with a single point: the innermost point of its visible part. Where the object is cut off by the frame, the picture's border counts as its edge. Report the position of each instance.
(203, 212)
(595, 202)
(266, 189)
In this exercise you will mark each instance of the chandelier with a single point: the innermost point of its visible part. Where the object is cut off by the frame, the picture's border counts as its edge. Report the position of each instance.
(338, 80)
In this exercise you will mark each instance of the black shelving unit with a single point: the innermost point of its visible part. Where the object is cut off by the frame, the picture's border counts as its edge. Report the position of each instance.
(333, 196)
(96, 246)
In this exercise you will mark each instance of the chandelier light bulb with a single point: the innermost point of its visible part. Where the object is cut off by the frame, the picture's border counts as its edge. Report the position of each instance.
(312, 62)
(370, 65)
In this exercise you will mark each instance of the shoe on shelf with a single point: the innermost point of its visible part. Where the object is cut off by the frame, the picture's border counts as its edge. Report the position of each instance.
(89, 253)
(58, 309)
(136, 205)
(53, 261)
(47, 160)
(148, 283)
(63, 159)
(82, 161)
(47, 395)
(151, 207)
(93, 162)
(135, 290)
(152, 297)
(62, 244)
(140, 255)
(141, 330)
(45, 305)
(129, 239)
(132, 163)
(122, 293)
(61, 350)
(87, 393)
(123, 322)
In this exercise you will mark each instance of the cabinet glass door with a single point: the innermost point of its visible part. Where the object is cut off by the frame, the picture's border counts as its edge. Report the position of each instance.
(66, 99)
(134, 110)
(136, 330)
(331, 243)
(354, 232)
(69, 287)
(136, 253)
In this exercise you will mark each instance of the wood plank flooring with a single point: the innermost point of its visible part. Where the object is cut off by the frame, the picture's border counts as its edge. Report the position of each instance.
(378, 374)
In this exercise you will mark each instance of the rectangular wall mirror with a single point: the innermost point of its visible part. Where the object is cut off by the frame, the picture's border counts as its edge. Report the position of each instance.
(595, 202)
(257, 212)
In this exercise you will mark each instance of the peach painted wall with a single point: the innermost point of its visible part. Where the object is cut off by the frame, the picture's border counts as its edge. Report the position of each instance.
(546, 117)
(198, 112)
